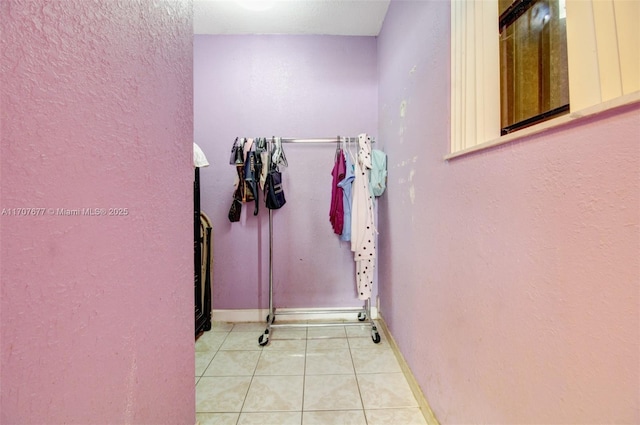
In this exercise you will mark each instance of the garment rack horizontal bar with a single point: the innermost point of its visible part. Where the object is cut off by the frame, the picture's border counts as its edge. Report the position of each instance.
(318, 311)
(325, 140)
(319, 325)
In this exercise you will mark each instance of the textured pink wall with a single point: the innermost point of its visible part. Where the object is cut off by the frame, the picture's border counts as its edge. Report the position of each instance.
(511, 283)
(287, 86)
(97, 312)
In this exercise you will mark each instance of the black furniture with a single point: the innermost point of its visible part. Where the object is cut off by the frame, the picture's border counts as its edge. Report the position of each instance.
(201, 242)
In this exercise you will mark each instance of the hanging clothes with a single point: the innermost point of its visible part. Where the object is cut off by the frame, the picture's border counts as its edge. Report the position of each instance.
(347, 185)
(263, 152)
(362, 220)
(237, 160)
(336, 211)
(245, 173)
(251, 178)
(238, 155)
(278, 158)
(378, 178)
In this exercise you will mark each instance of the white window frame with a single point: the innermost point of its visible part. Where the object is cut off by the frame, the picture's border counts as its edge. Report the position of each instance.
(603, 43)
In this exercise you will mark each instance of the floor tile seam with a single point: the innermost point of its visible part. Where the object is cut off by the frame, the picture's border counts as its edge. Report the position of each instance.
(227, 376)
(320, 350)
(394, 408)
(355, 368)
(241, 374)
(284, 350)
(214, 355)
(278, 375)
(371, 345)
(241, 344)
(221, 344)
(353, 364)
(208, 365)
(361, 397)
(330, 373)
(313, 410)
(235, 349)
(212, 332)
(207, 351)
(294, 352)
(255, 369)
(304, 376)
(244, 399)
(235, 375)
(332, 410)
(269, 411)
(352, 371)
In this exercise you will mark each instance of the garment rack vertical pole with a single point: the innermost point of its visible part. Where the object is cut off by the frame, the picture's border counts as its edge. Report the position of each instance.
(363, 313)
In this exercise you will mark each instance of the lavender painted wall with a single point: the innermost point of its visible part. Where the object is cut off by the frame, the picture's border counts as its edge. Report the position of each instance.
(287, 86)
(512, 275)
(97, 312)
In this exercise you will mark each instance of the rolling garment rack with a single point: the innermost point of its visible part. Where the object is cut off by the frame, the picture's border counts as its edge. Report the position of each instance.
(364, 312)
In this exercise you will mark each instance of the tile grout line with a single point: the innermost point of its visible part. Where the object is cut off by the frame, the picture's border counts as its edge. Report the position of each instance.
(304, 373)
(255, 368)
(214, 356)
(350, 345)
(209, 364)
(355, 373)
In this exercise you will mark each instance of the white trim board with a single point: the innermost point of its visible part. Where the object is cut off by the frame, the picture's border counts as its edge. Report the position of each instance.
(425, 408)
(260, 315)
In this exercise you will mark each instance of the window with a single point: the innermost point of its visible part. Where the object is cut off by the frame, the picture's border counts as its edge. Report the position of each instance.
(534, 78)
(603, 63)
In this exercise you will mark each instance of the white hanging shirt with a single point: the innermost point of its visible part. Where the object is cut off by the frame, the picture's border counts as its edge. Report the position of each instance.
(362, 220)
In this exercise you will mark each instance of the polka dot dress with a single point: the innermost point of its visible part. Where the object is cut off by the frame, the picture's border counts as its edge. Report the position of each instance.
(362, 221)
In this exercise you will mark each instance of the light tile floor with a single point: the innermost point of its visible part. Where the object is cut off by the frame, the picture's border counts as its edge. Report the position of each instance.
(304, 376)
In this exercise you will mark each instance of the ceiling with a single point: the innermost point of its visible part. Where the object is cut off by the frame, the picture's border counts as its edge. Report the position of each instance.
(333, 17)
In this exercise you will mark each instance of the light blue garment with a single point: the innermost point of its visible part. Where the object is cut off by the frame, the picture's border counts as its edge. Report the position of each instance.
(346, 184)
(378, 176)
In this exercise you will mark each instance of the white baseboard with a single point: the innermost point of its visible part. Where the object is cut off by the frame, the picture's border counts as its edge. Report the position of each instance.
(260, 315)
(413, 384)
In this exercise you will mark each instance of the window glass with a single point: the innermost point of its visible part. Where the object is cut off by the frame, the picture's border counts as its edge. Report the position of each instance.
(534, 81)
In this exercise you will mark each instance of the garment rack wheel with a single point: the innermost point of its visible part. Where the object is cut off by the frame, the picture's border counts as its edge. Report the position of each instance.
(264, 338)
(375, 336)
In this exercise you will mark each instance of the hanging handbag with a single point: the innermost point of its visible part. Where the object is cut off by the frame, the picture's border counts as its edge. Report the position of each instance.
(238, 194)
(235, 210)
(246, 178)
(274, 193)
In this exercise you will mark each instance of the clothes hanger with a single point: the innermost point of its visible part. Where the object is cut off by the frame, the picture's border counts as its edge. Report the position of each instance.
(278, 157)
(351, 155)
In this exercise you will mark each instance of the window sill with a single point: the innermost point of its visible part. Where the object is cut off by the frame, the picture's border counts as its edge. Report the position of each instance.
(569, 118)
